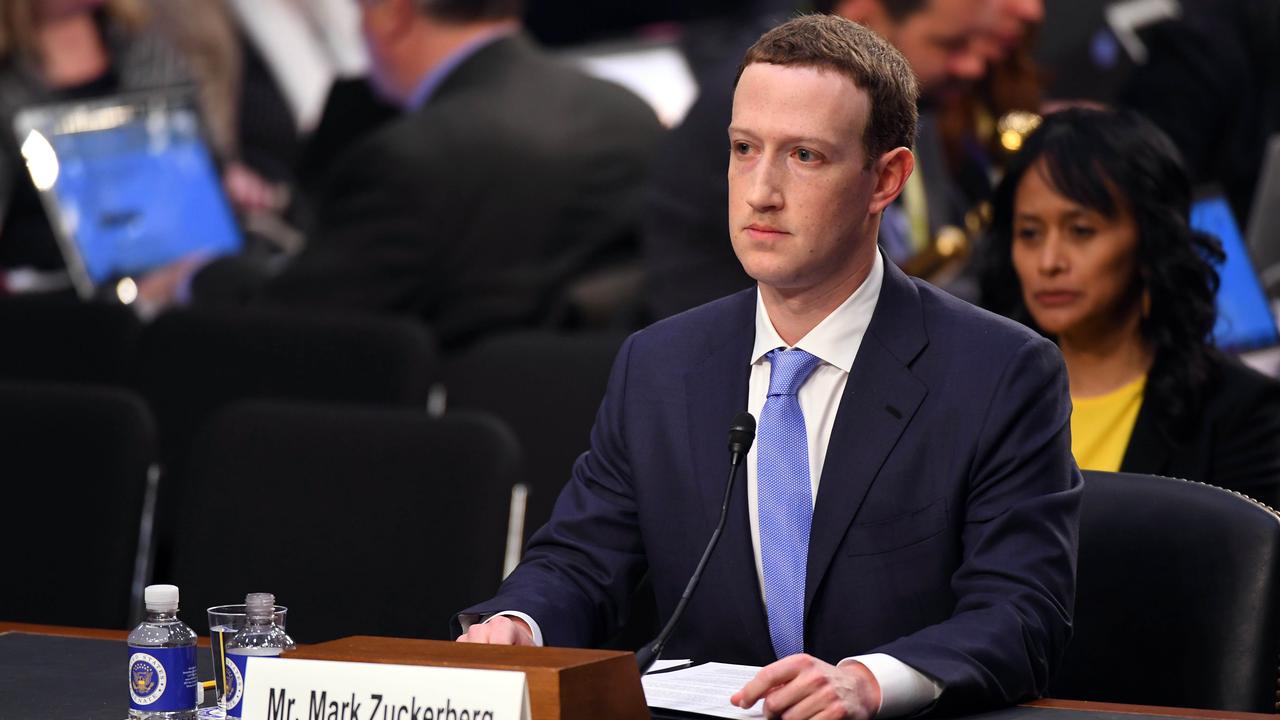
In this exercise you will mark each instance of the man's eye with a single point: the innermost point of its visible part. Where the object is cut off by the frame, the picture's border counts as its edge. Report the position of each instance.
(805, 156)
(741, 148)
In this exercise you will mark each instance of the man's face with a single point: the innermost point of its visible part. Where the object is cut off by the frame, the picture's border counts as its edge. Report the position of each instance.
(799, 185)
(941, 41)
(1010, 23)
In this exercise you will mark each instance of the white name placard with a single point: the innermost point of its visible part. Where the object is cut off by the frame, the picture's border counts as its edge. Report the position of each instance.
(287, 689)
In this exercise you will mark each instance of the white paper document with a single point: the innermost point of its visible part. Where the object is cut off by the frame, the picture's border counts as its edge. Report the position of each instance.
(703, 689)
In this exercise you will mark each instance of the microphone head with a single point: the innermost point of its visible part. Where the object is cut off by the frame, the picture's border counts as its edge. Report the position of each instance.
(742, 432)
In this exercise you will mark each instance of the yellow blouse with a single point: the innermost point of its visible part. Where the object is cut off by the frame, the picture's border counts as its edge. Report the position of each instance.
(1101, 426)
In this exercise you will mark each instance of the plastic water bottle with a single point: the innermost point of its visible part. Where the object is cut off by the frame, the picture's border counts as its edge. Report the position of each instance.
(162, 661)
(261, 637)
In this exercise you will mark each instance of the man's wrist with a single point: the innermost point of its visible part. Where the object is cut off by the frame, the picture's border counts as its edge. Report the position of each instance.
(526, 622)
(903, 689)
(866, 678)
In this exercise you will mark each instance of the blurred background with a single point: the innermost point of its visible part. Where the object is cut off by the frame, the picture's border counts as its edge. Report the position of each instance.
(271, 262)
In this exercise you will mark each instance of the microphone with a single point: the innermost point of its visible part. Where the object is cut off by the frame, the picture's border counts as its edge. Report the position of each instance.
(742, 432)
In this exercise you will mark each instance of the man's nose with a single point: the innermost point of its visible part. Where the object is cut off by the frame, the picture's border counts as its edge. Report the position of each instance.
(765, 192)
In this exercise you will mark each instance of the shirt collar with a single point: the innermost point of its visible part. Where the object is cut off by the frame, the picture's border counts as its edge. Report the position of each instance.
(431, 82)
(835, 339)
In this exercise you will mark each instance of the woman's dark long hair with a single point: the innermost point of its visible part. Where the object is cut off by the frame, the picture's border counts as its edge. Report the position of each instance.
(1105, 160)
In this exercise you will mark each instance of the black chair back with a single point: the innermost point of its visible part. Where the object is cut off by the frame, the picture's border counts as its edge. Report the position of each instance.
(547, 387)
(63, 340)
(360, 520)
(191, 363)
(1178, 597)
(78, 461)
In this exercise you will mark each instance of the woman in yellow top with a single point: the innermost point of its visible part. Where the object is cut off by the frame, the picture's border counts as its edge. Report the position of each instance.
(1090, 244)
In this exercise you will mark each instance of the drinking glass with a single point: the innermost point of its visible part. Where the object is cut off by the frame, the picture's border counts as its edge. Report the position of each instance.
(224, 622)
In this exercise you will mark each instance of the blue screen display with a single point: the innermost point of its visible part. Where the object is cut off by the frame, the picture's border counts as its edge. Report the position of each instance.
(1244, 315)
(141, 194)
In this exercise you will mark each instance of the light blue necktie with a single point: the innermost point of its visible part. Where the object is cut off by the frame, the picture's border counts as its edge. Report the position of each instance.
(784, 498)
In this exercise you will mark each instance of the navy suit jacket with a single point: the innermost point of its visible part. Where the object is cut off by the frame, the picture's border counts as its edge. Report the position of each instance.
(944, 530)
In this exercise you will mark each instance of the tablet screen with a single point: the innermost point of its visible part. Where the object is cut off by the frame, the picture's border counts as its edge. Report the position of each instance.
(1244, 315)
(130, 186)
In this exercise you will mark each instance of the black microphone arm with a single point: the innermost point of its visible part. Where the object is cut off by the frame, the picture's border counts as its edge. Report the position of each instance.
(741, 434)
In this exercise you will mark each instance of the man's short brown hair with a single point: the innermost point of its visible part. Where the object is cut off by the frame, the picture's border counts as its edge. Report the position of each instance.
(876, 67)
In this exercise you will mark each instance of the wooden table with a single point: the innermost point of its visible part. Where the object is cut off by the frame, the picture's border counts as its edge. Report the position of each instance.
(89, 633)
(111, 705)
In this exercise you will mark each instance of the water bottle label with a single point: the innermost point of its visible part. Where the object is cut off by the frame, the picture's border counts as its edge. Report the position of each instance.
(237, 670)
(162, 679)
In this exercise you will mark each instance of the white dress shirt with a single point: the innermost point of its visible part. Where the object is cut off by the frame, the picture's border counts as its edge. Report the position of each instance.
(835, 340)
(306, 45)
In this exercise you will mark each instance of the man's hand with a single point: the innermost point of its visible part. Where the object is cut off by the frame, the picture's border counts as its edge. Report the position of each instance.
(167, 285)
(249, 192)
(499, 630)
(802, 686)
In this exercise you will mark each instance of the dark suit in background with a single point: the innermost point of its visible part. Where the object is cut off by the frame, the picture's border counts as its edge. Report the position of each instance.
(473, 210)
(1233, 442)
(944, 530)
(1212, 82)
(687, 255)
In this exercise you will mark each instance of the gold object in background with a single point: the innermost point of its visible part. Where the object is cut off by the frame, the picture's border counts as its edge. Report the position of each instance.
(1013, 127)
(941, 257)
(951, 240)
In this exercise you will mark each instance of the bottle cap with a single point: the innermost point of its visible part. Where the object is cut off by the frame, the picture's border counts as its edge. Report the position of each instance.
(259, 605)
(161, 598)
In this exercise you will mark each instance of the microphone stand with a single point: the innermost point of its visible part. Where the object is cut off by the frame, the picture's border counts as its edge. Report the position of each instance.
(741, 436)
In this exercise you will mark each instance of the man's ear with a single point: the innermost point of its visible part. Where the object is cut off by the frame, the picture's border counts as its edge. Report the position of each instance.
(392, 18)
(892, 170)
(398, 16)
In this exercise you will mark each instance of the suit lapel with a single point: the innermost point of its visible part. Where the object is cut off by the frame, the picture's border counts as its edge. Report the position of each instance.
(716, 391)
(879, 401)
(1148, 451)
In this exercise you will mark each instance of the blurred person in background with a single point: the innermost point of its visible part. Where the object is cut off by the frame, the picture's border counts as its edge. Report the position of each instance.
(972, 123)
(505, 176)
(686, 254)
(1209, 76)
(1091, 246)
(980, 130)
(67, 50)
(63, 50)
(266, 69)
(288, 55)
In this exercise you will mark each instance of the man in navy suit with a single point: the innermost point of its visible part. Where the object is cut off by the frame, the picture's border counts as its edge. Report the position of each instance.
(906, 536)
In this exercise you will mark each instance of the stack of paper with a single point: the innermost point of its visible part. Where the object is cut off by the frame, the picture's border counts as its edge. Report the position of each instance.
(703, 689)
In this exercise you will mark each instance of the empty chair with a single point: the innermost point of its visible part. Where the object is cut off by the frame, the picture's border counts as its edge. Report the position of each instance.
(64, 340)
(1178, 597)
(360, 520)
(547, 387)
(193, 362)
(77, 463)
